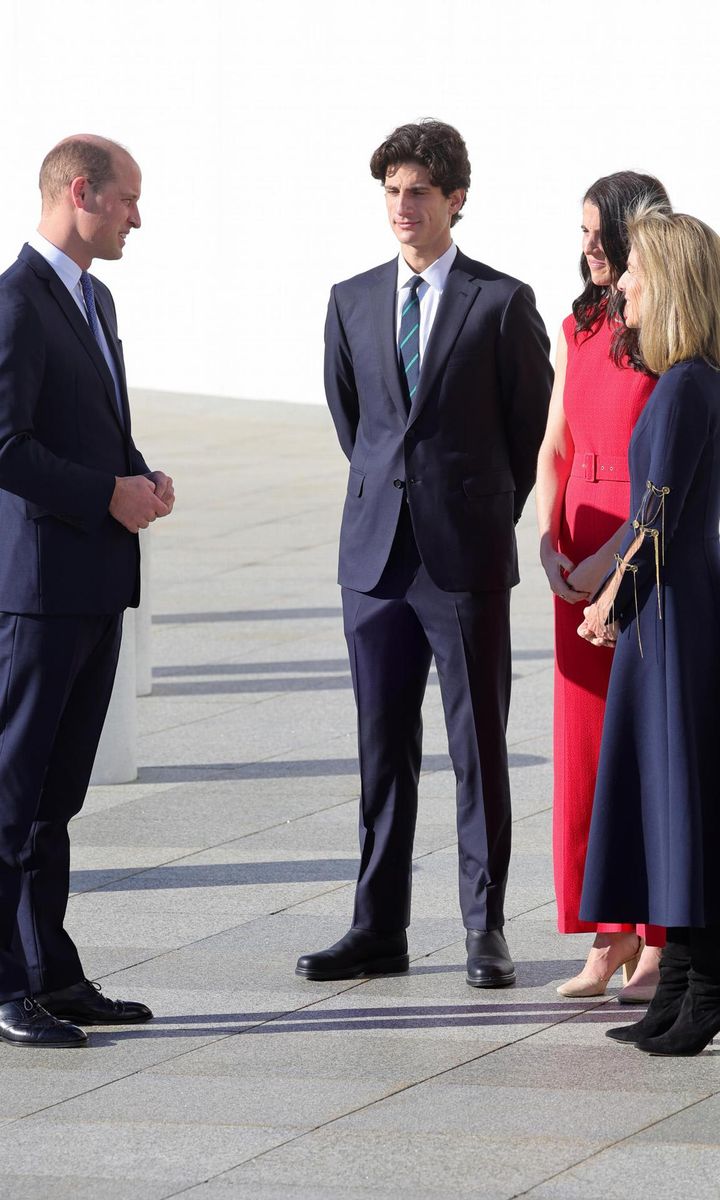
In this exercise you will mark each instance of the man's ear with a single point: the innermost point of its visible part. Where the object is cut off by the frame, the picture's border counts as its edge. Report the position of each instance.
(80, 191)
(457, 199)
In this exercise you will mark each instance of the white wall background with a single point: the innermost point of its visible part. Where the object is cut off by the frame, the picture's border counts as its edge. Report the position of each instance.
(254, 123)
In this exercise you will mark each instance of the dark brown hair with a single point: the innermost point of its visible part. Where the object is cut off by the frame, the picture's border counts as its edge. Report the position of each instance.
(434, 145)
(616, 197)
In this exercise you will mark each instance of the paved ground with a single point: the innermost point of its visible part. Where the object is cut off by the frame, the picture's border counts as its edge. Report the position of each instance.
(196, 888)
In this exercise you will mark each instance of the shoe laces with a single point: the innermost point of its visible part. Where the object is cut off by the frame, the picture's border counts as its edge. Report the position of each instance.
(116, 1005)
(36, 1012)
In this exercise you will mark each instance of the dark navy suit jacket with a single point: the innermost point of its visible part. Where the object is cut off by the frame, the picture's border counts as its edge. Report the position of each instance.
(466, 454)
(62, 442)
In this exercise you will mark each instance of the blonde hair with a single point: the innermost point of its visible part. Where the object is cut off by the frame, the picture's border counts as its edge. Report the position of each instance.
(679, 257)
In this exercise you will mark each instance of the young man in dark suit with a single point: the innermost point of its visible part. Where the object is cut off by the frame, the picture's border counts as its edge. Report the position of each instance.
(438, 381)
(74, 491)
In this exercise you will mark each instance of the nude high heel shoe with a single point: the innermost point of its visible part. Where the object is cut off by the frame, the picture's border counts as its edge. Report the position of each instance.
(629, 968)
(594, 983)
(645, 978)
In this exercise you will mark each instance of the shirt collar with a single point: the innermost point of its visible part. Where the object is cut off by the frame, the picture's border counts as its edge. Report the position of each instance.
(435, 275)
(68, 270)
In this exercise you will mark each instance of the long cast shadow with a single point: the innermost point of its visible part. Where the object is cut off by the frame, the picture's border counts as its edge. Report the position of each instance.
(311, 768)
(358, 1020)
(190, 875)
(248, 614)
(318, 665)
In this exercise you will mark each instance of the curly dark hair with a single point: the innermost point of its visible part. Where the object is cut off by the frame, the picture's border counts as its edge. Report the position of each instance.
(616, 197)
(434, 145)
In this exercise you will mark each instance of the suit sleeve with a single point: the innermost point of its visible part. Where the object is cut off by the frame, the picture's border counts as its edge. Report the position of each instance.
(138, 466)
(526, 377)
(71, 492)
(680, 429)
(340, 389)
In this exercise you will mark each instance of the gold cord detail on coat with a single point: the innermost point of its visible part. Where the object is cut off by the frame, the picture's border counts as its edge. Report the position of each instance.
(620, 566)
(652, 507)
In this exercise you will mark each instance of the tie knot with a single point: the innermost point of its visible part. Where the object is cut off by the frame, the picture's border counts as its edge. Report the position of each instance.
(414, 282)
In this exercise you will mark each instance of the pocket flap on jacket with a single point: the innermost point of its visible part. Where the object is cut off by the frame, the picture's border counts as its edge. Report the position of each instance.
(491, 484)
(356, 479)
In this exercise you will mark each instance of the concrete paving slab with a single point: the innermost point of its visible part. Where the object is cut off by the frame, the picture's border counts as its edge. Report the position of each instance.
(140, 1151)
(496, 1111)
(658, 1172)
(411, 1164)
(80, 1187)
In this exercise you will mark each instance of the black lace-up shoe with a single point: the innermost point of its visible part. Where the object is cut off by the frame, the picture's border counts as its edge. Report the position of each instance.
(84, 1002)
(27, 1023)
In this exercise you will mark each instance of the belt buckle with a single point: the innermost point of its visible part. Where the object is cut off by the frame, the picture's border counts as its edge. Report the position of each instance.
(589, 461)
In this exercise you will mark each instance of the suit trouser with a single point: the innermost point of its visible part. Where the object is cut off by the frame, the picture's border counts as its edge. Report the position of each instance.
(393, 633)
(56, 677)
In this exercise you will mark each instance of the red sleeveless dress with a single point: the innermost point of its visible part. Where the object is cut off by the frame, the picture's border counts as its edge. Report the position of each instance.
(602, 402)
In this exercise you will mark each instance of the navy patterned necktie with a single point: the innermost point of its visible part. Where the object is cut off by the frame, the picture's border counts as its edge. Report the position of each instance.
(409, 337)
(89, 298)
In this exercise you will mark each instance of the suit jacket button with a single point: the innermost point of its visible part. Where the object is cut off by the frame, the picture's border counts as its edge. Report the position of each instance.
(399, 483)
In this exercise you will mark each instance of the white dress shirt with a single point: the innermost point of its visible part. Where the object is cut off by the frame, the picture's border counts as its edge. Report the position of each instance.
(68, 272)
(429, 292)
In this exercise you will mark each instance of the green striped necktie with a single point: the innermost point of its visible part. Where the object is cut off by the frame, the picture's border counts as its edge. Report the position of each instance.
(409, 337)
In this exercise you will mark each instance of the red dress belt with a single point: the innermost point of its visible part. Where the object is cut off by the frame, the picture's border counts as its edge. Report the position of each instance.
(598, 467)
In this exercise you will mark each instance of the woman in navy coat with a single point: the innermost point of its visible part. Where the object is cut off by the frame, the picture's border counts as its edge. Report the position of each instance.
(655, 832)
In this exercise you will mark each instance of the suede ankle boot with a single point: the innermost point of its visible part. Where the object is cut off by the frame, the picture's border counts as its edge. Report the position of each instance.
(665, 1004)
(697, 1023)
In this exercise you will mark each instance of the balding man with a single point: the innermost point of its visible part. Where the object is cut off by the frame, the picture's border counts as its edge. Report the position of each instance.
(74, 491)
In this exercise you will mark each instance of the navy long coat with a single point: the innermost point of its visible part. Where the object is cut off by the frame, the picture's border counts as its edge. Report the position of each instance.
(654, 849)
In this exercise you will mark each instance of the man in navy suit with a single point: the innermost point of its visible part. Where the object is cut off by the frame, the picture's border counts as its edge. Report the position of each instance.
(74, 491)
(438, 381)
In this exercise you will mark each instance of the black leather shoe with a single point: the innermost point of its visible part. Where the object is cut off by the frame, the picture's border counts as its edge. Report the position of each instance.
(360, 952)
(26, 1023)
(489, 964)
(84, 1002)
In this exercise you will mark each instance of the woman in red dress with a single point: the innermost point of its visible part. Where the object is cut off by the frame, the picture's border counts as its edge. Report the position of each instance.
(583, 500)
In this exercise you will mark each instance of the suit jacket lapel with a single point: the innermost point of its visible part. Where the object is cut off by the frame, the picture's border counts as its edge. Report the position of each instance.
(114, 347)
(76, 320)
(383, 298)
(458, 296)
